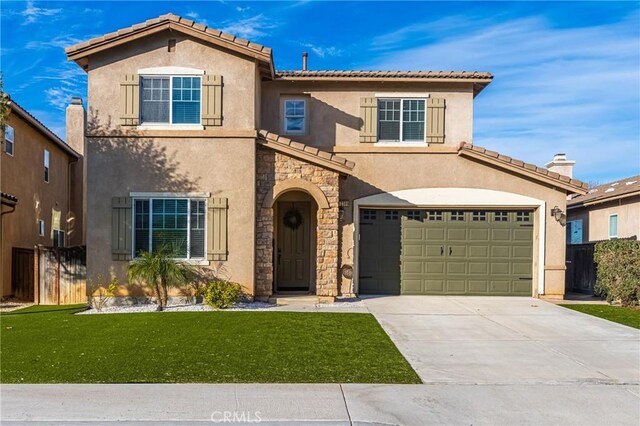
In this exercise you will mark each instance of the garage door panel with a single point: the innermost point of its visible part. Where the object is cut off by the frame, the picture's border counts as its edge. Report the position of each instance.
(478, 234)
(524, 234)
(433, 286)
(410, 234)
(456, 251)
(500, 251)
(478, 286)
(522, 252)
(456, 235)
(521, 268)
(500, 286)
(413, 250)
(457, 268)
(434, 267)
(479, 251)
(521, 286)
(412, 286)
(434, 234)
(478, 268)
(500, 234)
(434, 250)
(456, 286)
(412, 267)
(500, 268)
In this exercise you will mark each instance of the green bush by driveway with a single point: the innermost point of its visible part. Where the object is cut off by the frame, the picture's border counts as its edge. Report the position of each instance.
(45, 344)
(618, 269)
(619, 314)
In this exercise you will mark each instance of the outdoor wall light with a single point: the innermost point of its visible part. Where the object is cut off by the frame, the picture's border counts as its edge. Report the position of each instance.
(559, 215)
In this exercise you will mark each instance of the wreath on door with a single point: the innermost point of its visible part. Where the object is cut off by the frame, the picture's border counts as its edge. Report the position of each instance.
(292, 218)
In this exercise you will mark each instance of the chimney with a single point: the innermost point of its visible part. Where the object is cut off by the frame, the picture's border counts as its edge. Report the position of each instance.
(76, 126)
(305, 56)
(561, 165)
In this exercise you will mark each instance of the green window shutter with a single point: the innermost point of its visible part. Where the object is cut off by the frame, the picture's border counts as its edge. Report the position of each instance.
(435, 120)
(217, 212)
(212, 100)
(121, 228)
(369, 116)
(130, 100)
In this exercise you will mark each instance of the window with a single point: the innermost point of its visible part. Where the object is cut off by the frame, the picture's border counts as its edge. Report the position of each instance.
(457, 216)
(369, 214)
(41, 229)
(176, 222)
(574, 232)
(294, 116)
(401, 120)
(170, 100)
(479, 216)
(9, 138)
(46, 165)
(501, 216)
(434, 215)
(613, 226)
(391, 215)
(58, 238)
(522, 217)
(414, 214)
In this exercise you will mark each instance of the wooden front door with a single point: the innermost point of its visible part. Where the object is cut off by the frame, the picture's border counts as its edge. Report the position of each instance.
(293, 251)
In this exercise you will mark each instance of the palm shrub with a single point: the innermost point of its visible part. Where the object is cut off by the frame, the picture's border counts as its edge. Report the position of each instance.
(161, 271)
(618, 271)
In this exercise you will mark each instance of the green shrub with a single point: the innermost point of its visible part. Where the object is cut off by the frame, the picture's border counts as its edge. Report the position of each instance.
(618, 271)
(221, 294)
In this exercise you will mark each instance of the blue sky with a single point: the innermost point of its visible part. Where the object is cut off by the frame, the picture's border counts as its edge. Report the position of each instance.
(567, 74)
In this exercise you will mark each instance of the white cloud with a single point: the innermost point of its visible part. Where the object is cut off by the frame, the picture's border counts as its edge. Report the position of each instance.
(32, 13)
(249, 28)
(573, 90)
(323, 51)
(57, 42)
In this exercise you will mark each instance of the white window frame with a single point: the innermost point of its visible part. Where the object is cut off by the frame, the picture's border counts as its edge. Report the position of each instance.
(64, 237)
(286, 131)
(7, 140)
(170, 196)
(170, 124)
(613, 237)
(400, 141)
(47, 166)
(41, 228)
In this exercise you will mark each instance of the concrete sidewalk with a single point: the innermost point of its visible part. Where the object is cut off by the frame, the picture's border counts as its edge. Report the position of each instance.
(579, 404)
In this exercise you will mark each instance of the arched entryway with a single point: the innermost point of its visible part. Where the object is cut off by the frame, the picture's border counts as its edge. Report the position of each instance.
(295, 240)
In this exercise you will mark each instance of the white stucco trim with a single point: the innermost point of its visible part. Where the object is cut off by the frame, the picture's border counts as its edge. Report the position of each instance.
(177, 127)
(405, 95)
(170, 194)
(170, 71)
(453, 197)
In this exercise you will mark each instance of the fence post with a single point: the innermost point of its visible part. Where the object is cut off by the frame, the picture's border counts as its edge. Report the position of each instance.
(56, 288)
(36, 275)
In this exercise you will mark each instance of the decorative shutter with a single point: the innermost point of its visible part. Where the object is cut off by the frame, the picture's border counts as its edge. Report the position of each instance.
(369, 116)
(435, 120)
(217, 209)
(212, 100)
(130, 100)
(121, 228)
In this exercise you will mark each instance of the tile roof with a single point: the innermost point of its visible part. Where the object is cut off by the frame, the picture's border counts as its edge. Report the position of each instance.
(624, 187)
(574, 185)
(306, 152)
(169, 17)
(26, 115)
(461, 75)
(8, 198)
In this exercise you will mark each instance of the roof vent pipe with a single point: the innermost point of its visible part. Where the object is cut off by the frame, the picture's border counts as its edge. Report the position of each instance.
(305, 56)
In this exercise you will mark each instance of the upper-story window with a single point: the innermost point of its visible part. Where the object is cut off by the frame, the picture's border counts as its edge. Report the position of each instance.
(401, 120)
(295, 116)
(46, 165)
(9, 136)
(170, 99)
(613, 226)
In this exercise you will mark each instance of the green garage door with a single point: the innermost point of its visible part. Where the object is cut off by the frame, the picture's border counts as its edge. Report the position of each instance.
(447, 252)
(467, 252)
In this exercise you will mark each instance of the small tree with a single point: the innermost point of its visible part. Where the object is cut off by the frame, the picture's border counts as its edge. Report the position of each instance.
(161, 271)
(618, 266)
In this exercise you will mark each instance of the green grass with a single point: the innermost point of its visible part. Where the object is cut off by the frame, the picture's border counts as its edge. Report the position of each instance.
(619, 314)
(47, 344)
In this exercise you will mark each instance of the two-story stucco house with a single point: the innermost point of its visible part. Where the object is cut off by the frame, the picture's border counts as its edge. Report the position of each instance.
(327, 182)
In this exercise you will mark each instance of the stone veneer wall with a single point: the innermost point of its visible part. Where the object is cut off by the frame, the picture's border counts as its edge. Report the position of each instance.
(273, 167)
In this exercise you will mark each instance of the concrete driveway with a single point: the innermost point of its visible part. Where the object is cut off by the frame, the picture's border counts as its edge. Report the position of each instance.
(502, 340)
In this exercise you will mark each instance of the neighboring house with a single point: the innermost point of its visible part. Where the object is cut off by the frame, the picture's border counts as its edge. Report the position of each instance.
(329, 182)
(606, 212)
(41, 186)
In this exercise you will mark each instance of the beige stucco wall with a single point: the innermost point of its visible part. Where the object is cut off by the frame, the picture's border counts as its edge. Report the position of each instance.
(595, 219)
(334, 108)
(106, 70)
(23, 177)
(218, 159)
(386, 172)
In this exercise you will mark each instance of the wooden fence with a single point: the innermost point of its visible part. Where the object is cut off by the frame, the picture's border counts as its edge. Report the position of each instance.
(581, 268)
(61, 275)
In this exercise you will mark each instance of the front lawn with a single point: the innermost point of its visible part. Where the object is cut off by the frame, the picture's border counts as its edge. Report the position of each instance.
(619, 314)
(48, 344)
